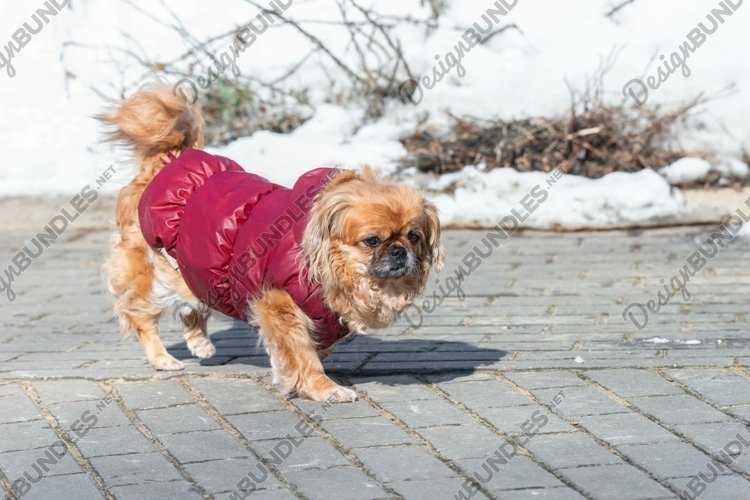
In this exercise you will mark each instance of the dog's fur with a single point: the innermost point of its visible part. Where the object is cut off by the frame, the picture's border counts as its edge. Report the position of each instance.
(369, 244)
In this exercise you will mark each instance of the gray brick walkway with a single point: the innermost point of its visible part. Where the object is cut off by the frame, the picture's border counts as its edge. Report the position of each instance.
(532, 387)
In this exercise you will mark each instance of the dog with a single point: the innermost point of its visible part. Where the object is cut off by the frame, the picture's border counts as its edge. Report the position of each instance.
(340, 252)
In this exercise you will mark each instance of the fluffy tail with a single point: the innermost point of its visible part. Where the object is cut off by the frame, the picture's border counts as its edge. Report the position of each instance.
(155, 122)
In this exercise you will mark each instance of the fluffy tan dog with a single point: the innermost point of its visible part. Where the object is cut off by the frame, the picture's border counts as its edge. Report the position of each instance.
(365, 248)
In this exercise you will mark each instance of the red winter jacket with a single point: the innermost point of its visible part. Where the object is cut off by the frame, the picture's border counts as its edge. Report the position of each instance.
(234, 233)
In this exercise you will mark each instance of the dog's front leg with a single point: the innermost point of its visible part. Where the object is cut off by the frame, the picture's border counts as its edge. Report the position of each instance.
(287, 335)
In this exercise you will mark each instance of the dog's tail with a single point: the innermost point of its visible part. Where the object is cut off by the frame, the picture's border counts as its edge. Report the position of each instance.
(153, 123)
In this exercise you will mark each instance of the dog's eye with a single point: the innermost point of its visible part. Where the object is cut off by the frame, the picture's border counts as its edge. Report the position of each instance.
(414, 237)
(372, 241)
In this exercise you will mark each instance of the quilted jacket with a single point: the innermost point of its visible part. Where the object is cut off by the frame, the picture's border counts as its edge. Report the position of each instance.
(234, 233)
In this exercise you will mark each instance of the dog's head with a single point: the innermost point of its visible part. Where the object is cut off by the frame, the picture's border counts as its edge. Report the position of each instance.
(371, 246)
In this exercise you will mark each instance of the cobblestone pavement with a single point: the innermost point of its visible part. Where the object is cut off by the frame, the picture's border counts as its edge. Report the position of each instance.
(533, 386)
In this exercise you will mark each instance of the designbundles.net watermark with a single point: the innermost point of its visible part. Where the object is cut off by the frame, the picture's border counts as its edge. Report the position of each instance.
(474, 258)
(281, 451)
(508, 450)
(411, 89)
(187, 89)
(56, 226)
(731, 451)
(638, 90)
(638, 313)
(54, 453)
(22, 36)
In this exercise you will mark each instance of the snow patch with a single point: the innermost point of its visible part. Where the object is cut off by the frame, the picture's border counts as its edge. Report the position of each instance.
(477, 198)
(662, 340)
(686, 170)
(657, 340)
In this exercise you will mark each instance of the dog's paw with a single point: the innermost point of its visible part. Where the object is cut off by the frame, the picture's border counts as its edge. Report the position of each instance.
(338, 394)
(201, 347)
(166, 362)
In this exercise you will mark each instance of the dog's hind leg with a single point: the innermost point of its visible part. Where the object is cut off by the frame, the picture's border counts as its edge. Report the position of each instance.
(287, 335)
(130, 279)
(195, 320)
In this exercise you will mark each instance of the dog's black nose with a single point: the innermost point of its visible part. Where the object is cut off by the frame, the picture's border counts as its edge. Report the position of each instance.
(398, 252)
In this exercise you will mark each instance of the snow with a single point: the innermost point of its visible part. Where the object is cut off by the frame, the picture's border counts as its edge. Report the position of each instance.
(686, 170)
(481, 199)
(50, 142)
(658, 340)
(579, 360)
(661, 340)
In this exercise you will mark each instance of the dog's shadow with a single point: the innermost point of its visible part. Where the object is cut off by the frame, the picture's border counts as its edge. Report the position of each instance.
(363, 355)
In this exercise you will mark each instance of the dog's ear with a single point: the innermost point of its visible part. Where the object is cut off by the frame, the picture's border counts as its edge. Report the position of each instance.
(432, 234)
(323, 226)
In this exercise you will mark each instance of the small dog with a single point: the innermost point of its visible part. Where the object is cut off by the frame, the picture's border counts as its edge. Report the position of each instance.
(308, 266)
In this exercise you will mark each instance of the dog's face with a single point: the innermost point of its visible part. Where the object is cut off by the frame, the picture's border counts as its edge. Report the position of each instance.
(387, 236)
(371, 246)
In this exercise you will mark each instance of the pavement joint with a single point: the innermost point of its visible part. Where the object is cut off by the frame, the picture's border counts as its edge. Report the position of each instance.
(600, 441)
(237, 435)
(424, 443)
(327, 436)
(68, 441)
(682, 436)
(112, 392)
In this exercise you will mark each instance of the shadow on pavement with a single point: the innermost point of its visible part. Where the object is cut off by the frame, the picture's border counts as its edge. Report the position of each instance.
(362, 355)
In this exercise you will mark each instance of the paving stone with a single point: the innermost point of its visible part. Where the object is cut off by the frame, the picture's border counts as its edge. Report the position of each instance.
(362, 432)
(659, 458)
(26, 436)
(740, 411)
(40, 462)
(268, 425)
(264, 494)
(716, 438)
(66, 391)
(233, 397)
(398, 463)
(720, 488)
(551, 493)
(633, 383)
(567, 450)
(720, 386)
(335, 411)
(579, 401)
(153, 394)
(518, 472)
(9, 389)
(545, 380)
(218, 476)
(485, 394)
(140, 468)
(301, 453)
(522, 420)
(427, 413)
(461, 441)
(175, 420)
(618, 481)
(200, 446)
(679, 409)
(17, 408)
(342, 482)
(167, 490)
(432, 489)
(394, 388)
(73, 487)
(625, 428)
(106, 441)
(74, 414)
